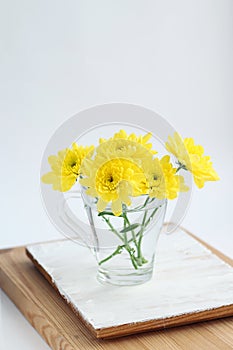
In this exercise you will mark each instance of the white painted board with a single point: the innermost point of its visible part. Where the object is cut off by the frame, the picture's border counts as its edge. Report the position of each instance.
(187, 278)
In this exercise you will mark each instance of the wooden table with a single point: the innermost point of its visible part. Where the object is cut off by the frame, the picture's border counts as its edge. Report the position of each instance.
(62, 329)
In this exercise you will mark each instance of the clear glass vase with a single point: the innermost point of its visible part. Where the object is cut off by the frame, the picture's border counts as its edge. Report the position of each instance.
(124, 246)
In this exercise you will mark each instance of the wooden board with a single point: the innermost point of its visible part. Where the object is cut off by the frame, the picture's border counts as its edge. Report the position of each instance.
(62, 329)
(190, 284)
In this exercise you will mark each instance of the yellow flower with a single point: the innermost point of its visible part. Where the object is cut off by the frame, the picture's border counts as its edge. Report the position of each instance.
(115, 173)
(120, 148)
(162, 180)
(192, 158)
(176, 146)
(65, 167)
(141, 140)
(112, 181)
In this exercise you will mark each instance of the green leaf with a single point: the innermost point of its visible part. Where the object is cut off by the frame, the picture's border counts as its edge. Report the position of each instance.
(102, 213)
(129, 228)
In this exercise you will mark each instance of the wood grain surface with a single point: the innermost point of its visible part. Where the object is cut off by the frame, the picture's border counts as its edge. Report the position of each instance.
(62, 329)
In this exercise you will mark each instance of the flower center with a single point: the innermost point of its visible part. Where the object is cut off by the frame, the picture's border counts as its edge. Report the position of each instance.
(110, 178)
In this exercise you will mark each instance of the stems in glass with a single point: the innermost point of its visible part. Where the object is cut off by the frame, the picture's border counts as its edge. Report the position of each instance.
(135, 254)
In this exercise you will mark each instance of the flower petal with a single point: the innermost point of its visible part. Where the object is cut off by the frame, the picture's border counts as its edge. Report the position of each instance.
(101, 205)
(117, 207)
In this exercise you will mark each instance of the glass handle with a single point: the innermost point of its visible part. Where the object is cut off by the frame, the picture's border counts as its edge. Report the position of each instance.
(70, 220)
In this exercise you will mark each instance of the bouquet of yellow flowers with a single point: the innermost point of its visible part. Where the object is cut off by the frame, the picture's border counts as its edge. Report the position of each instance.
(123, 168)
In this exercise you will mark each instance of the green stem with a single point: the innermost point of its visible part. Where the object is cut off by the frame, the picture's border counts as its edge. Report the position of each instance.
(144, 225)
(126, 244)
(117, 251)
(139, 246)
(112, 228)
(127, 222)
(131, 252)
(139, 260)
(151, 217)
(141, 236)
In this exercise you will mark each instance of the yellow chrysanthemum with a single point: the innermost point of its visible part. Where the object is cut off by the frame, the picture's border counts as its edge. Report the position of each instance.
(122, 161)
(126, 149)
(162, 180)
(141, 140)
(66, 167)
(112, 181)
(192, 158)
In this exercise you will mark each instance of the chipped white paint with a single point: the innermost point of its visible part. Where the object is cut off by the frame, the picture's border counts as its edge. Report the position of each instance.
(187, 278)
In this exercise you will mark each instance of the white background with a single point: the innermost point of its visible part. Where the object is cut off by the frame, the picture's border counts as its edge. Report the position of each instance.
(58, 57)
